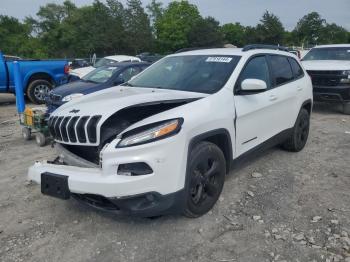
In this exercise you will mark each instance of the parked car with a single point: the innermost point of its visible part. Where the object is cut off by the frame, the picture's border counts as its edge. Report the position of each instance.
(106, 61)
(79, 63)
(295, 52)
(329, 68)
(149, 57)
(38, 76)
(164, 141)
(101, 78)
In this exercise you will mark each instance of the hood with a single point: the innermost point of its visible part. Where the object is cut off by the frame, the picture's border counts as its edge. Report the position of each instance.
(74, 87)
(326, 65)
(113, 104)
(108, 101)
(83, 71)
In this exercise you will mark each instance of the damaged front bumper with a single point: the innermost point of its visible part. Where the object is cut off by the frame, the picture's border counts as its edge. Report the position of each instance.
(158, 192)
(89, 186)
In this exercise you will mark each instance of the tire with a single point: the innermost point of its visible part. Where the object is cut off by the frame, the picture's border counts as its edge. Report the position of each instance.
(37, 90)
(205, 179)
(346, 108)
(297, 141)
(26, 133)
(40, 139)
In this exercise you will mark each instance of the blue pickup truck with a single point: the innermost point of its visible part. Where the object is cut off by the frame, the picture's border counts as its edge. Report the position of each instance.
(38, 76)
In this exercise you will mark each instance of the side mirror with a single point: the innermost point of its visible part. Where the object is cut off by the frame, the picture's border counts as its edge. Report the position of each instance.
(253, 85)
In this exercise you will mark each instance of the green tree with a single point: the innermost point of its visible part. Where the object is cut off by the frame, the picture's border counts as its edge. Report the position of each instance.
(16, 39)
(309, 29)
(251, 35)
(270, 29)
(48, 26)
(234, 34)
(155, 11)
(175, 24)
(334, 34)
(137, 27)
(205, 33)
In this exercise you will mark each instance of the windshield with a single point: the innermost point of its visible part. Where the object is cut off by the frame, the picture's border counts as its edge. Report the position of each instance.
(100, 75)
(328, 53)
(195, 73)
(105, 62)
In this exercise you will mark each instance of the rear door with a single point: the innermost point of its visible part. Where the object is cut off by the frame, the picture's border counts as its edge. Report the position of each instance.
(285, 88)
(256, 113)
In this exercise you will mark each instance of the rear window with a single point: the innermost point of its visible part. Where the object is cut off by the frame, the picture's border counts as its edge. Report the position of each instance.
(297, 70)
(281, 69)
(105, 62)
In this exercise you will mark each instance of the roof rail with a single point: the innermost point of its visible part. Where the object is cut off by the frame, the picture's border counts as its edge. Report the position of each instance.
(194, 48)
(259, 46)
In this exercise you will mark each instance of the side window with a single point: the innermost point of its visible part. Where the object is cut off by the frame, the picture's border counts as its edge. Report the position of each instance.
(256, 68)
(297, 70)
(281, 69)
(129, 73)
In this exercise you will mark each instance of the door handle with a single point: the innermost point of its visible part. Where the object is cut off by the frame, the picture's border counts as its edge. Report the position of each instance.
(299, 88)
(273, 98)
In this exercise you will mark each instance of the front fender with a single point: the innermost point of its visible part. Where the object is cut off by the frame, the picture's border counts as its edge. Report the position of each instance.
(29, 74)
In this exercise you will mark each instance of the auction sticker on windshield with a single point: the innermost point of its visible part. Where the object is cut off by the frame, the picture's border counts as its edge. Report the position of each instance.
(219, 59)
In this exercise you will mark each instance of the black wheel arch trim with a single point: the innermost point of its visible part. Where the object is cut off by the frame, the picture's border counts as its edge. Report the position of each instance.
(202, 137)
(193, 142)
(307, 102)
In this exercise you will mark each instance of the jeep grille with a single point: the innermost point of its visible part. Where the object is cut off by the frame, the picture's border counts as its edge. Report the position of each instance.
(77, 129)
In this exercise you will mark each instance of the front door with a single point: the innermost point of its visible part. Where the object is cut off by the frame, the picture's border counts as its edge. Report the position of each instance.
(255, 112)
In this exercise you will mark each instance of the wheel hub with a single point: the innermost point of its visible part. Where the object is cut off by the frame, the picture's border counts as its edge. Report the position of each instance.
(204, 183)
(40, 91)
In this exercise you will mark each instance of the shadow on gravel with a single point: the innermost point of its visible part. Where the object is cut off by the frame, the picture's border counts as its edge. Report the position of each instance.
(7, 102)
(327, 108)
(10, 99)
(117, 218)
(253, 157)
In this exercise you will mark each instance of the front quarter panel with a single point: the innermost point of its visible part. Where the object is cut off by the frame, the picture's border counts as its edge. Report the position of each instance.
(168, 157)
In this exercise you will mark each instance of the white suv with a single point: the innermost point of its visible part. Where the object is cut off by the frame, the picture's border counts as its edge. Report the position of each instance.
(163, 142)
(329, 68)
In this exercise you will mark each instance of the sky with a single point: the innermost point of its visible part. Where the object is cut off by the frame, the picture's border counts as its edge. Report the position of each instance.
(247, 12)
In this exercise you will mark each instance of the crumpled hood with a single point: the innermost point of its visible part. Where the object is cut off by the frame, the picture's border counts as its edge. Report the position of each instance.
(106, 104)
(326, 65)
(83, 71)
(109, 101)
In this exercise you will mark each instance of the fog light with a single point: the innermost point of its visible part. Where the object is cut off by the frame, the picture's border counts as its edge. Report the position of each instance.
(134, 169)
(345, 80)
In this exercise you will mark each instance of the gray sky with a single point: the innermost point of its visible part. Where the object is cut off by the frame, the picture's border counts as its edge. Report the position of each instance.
(247, 12)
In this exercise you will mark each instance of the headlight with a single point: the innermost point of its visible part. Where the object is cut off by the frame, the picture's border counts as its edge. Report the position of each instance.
(150, 133)
(70, 97)
(346, 72)
(346, 77)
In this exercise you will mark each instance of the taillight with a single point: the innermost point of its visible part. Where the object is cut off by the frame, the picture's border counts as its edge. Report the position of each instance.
(66, 69)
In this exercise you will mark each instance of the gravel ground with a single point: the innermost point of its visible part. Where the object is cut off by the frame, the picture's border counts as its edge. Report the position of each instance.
(279, 206)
